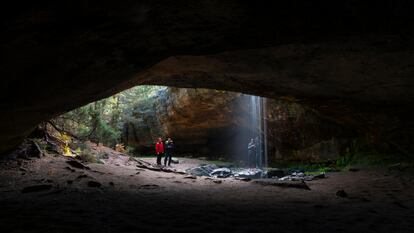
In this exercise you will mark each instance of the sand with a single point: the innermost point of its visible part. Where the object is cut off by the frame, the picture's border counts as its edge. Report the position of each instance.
(131, 199)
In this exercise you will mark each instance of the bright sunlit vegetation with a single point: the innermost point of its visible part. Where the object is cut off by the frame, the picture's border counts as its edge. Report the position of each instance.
(102, 121)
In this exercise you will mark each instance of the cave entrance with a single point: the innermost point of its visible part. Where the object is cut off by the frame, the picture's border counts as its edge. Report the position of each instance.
(207, 126)
(225, 127)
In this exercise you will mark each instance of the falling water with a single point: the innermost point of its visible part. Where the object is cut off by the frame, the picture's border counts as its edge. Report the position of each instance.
(258, 130)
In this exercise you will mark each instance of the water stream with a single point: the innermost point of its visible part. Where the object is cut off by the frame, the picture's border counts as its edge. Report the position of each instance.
(257, 148)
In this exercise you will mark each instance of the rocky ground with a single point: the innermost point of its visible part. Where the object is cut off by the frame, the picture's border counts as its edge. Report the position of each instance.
(50, 194)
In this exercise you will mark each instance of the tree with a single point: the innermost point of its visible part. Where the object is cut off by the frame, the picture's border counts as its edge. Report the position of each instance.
(102, 121)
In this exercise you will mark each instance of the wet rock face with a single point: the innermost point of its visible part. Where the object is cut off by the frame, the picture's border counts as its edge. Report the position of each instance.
(296, 132)
(199, 120)
(60, 55)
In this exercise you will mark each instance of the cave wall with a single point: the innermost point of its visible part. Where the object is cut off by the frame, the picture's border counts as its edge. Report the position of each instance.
(197, 119)
(351, 60)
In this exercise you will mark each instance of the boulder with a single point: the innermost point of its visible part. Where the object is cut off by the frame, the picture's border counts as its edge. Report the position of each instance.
(204, 170)
(251, 173)
(221, 173)
(273, 173)
(341, 193)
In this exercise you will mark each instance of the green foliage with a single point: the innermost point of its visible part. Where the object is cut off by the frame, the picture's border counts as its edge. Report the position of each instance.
(363, 153)
(102, 121)
(88, 156)
(344, 161)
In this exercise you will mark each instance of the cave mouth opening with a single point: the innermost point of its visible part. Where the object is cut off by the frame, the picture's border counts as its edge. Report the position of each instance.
(233, 132)
(223, 128)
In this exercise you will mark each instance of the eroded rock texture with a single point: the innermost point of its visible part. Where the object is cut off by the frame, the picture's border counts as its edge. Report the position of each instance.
(353, 60)
(200, 121)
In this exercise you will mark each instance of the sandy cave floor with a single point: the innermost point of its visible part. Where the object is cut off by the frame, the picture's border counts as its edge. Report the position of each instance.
(132, 199)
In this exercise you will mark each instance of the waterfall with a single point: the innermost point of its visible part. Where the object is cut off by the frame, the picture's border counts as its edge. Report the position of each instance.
(257, 132)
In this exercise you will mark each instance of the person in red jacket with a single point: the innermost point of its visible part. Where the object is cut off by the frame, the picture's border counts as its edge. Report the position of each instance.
(159, 150)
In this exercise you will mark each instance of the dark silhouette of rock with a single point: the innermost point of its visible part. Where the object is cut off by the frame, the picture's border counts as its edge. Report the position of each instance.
(275, 173)
(70, 169)
(341, 193)
(94, 184)
(243, 179)
(82, 176)
(36, 188)
(320, 176)
(283, 184)
(77, 164)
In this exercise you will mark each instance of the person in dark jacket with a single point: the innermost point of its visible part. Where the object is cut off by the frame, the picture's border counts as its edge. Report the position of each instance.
(251, 152)
(159, 150)
(169, 147)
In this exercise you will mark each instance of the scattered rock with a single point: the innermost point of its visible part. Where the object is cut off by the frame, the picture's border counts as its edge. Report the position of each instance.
(221, 173)
(153, 168)
(252, 173)
(94, 184)
(70, 169)
(320, 176)
(175, 161)
(190, 177)
(341, 193)
(272, 173)
(36, 188)
(82, 176)
(300, 176)
(69, 182)
(243, 179)
(99, 172)
(204, 170)
(283, 184)
(137, 173)
(77, 164)
(167, 169)
(23, 169)
(111, 183)
(217, 181)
